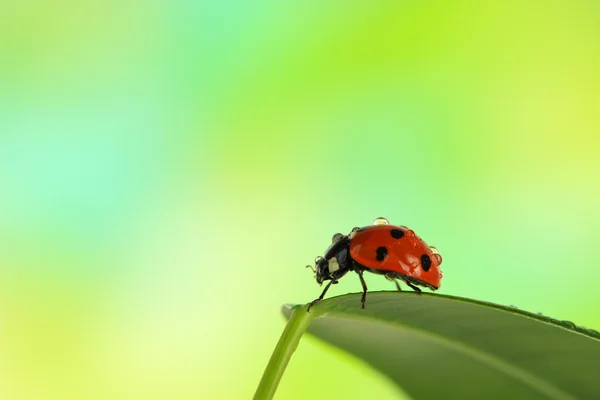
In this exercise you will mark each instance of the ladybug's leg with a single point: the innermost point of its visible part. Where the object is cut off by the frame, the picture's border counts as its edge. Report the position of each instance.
(312, 303)
(364, 286)
(391, 277)
(413, 287)
(397, 285)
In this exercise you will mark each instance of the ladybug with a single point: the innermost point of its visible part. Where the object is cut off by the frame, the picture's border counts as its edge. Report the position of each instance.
(393, 251)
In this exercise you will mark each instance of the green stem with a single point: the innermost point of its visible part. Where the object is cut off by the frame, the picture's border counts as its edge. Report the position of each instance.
(288, 342)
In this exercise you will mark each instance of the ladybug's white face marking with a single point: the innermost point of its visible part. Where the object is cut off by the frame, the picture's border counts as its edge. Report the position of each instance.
(333, 265)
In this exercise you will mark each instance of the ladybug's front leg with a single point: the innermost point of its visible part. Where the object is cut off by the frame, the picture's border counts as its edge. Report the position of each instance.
(312, 303)
(364, 286)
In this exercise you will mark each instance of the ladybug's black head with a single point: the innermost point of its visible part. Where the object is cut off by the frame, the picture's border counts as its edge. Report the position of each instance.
(335, 262)
(322, 270)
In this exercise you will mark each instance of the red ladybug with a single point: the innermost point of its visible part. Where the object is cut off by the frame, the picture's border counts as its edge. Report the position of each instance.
(393, 251)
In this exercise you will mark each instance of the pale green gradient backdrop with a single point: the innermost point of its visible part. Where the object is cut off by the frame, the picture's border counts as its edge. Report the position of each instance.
(167, 169)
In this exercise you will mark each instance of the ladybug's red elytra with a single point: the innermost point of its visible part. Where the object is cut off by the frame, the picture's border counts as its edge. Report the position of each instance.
(393, 251)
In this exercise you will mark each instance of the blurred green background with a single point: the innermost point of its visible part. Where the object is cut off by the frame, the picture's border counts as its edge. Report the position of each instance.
(167, 169)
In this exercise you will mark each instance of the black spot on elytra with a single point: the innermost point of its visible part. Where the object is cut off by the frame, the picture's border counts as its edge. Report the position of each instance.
(425, 262)
(381, 253)
(396, 233)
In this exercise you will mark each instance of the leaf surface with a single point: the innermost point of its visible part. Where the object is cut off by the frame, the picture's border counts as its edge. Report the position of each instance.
(437, 346)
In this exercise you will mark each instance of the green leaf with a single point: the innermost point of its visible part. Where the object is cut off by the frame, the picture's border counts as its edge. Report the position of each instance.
(436, 346)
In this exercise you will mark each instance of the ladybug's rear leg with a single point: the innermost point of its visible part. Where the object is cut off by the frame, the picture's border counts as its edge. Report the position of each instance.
(364, 286)
(413, 287)
(392, 277)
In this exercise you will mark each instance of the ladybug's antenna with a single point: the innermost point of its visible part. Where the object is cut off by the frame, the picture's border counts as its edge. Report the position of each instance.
(310, 266)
